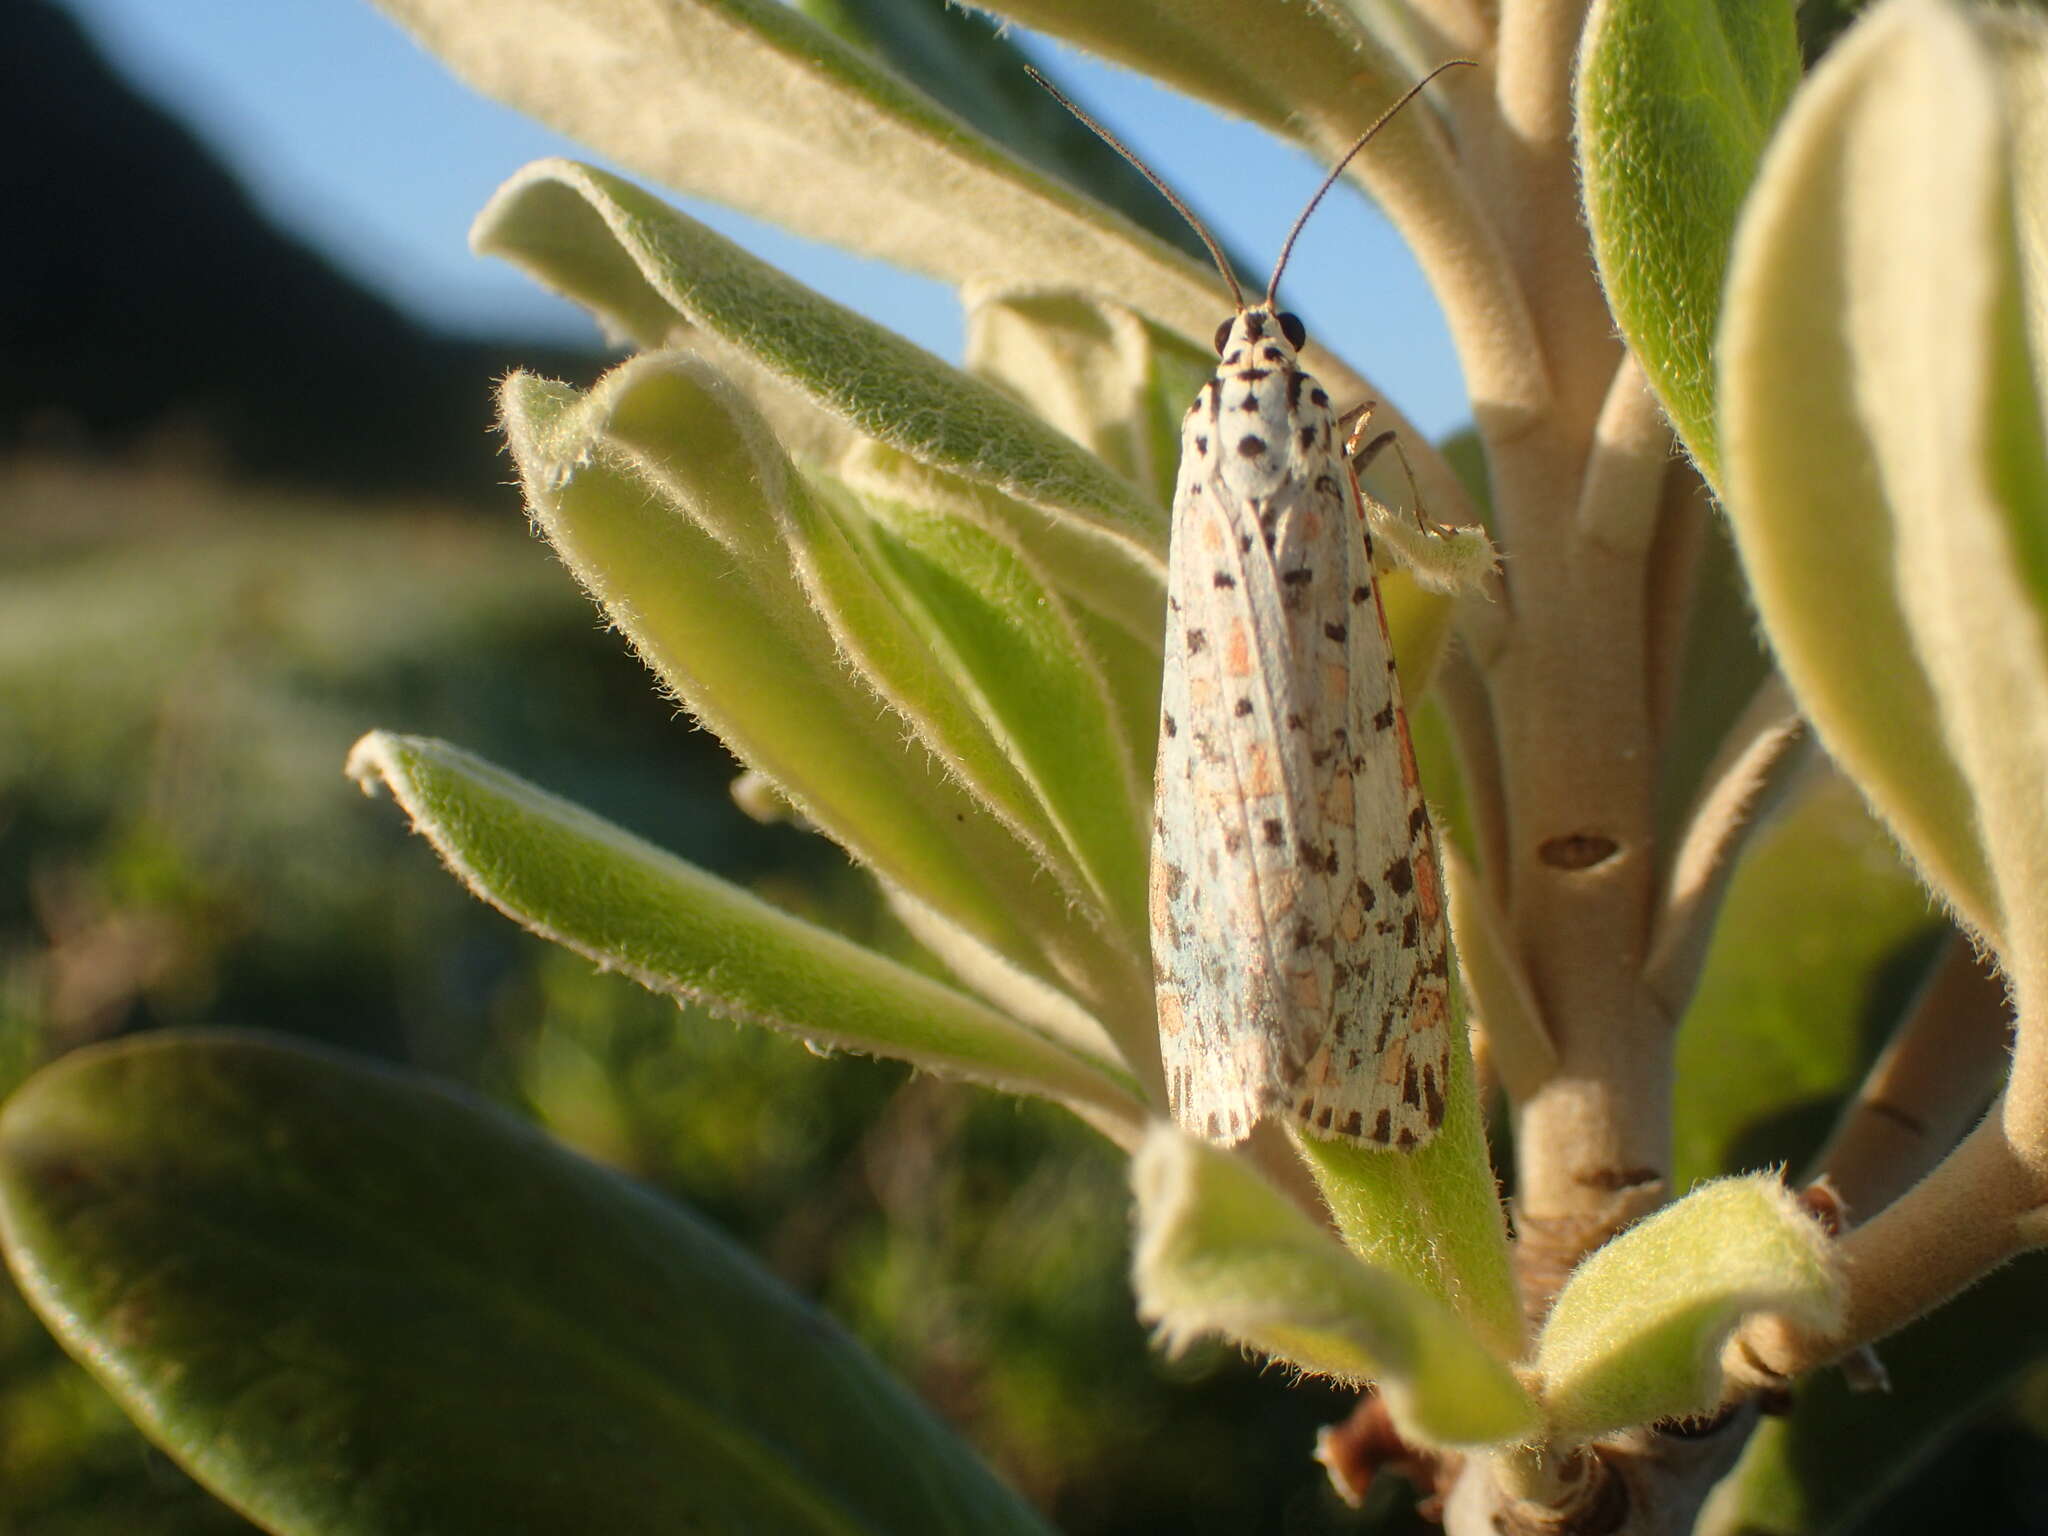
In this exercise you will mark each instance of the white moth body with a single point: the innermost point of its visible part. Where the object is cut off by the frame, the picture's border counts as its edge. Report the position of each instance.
(1297, 918)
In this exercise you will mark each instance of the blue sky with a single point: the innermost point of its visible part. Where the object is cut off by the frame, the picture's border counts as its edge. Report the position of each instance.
(349, 134)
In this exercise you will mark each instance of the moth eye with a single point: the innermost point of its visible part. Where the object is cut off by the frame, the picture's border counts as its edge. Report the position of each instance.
(1223, 336)
(1295, 332)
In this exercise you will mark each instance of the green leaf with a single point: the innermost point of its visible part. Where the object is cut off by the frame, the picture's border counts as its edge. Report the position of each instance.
(1316, 75)
(1116, 610)
(645, 267)
(1840, 1456)
(1220, 1251)
(1431, 1216)
(353, 1303)
(1883, 429)
(1676, 99)
(972, 68)
(1781, 1025)
(1010, 645)
(751, 103)
(1100, 372)
(595, 888)
(1636, 1333)
(668, 498)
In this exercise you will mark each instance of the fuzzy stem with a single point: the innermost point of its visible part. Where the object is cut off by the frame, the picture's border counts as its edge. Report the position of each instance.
(1935, 1077)
(1577, 497)
(1985, 1203)
(1755, 761)
(1579, 754)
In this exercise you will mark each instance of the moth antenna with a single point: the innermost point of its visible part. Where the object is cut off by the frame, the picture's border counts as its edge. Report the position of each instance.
(1179, 207)
(1329, 181)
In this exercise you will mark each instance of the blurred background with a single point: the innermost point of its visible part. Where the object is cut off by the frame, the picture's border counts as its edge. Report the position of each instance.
(250, 507)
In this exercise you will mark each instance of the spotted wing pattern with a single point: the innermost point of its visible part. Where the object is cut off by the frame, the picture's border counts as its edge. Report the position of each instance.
(1298, 931)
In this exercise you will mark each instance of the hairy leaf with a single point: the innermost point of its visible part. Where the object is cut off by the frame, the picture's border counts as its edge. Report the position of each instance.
(1220, 1251)
(672, 503)
(1636, 1333)
(1676, 99)
(352, 1303)
(1886, 474)
(599, 890)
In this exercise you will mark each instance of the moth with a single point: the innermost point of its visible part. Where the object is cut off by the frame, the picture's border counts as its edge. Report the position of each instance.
(1299, 943)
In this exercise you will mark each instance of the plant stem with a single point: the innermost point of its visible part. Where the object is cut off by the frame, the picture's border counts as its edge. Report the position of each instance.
(1984, 1204)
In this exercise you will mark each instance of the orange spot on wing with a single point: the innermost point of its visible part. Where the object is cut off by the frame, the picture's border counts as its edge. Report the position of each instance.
(1410, 776)
(1171, 1020)
(1238, 653)
(1259, 777)
(1428, 898)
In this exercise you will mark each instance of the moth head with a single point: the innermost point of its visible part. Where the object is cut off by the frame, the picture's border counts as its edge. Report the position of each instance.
(1261, 322)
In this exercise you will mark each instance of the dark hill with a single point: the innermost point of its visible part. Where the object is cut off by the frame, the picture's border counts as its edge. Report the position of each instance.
(141, 292)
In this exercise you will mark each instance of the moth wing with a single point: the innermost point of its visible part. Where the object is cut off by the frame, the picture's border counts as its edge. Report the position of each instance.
(1381, 1074)
(1238, 920)
(1214, 1064)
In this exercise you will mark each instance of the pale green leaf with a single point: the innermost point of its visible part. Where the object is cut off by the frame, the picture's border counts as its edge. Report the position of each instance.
(751, 103)
(694, 569)
(985, 664)
(1676, 99)
(1431, 1216)
(356, 1303)
(1219, 1251)
(1636, 1333)
(648, 268)
(1117, 609)
(1781, 1025)
(1115, 383)
(1314, 74)
(973, 67)
(1885, 468)
(1010, 646)
(587, 884)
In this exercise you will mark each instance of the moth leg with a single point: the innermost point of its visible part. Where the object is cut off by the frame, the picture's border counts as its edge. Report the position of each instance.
(1361, 457)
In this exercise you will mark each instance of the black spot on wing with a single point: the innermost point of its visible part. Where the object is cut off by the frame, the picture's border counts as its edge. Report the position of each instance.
(1432, 1098)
